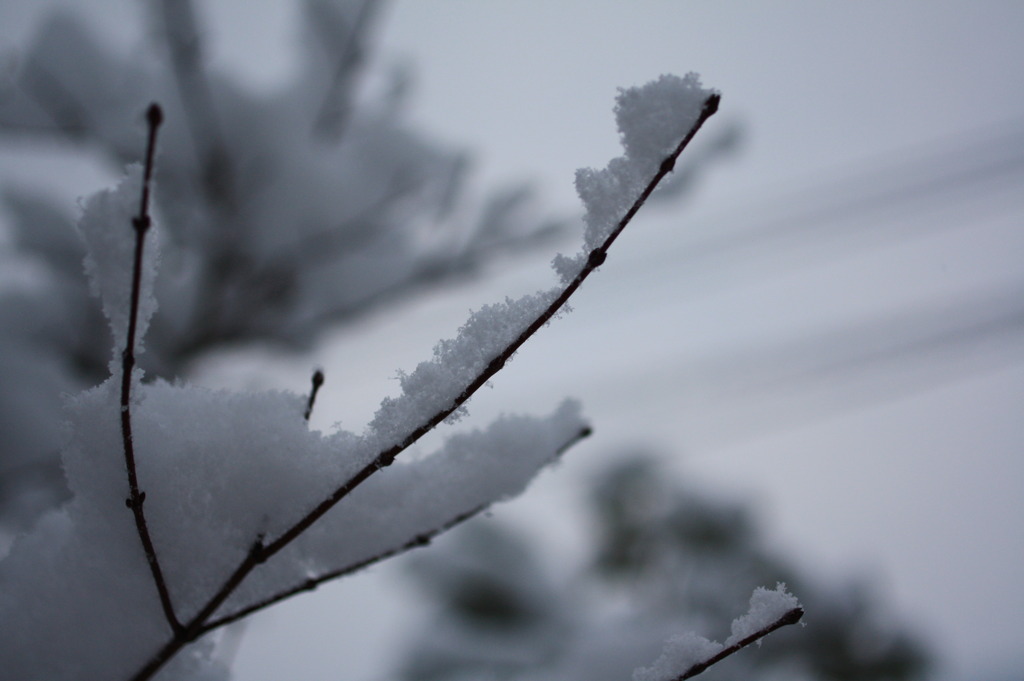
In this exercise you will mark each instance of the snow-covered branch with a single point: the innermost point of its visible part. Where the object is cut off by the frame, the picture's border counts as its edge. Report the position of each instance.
(239, 480)
(387, 528)
(688, 655)
(438, 389)
(657, 123)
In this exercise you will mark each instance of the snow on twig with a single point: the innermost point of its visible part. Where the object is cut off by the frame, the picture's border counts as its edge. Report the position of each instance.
(439, 389)
(688, 655)
(419, 540)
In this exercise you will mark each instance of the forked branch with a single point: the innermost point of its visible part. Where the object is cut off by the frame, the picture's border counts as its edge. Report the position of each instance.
(262, 550)
(136, 498)
(202, 623)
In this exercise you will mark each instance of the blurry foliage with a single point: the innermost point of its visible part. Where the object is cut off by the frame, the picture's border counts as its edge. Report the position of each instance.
(283, 213)
(664, 559)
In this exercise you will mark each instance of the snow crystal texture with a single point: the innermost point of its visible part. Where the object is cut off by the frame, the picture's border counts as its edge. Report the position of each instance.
(106, 228)
(652, 120)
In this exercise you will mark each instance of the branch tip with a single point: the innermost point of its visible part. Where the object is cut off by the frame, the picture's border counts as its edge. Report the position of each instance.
(318, 380)
(711, 104)
(154, 115)
(789, 617)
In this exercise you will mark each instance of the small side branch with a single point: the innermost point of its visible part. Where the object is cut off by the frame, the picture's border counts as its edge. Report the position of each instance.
(420, 540)
(791, 617)
(318, 380)
(312, 583)
(136, 498)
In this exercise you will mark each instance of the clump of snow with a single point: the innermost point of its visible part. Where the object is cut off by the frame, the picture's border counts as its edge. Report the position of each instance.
(567, 267)
(655, 117)
(607, 194)
(435, 384)
(415, 498)
(106, 228)
(685, 651)
(681, 652)
(652, 120)
(766, 606)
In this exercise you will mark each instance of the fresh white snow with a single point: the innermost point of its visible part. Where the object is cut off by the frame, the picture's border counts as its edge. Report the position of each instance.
(686, 650)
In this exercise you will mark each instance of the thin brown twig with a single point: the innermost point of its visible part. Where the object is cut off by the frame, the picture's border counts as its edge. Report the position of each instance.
(318, 381)
(312, 583)
(790, 617)
(141, 224)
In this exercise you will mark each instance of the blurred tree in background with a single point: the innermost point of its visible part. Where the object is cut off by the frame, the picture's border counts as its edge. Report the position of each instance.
(662, 557)
(284, 213)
